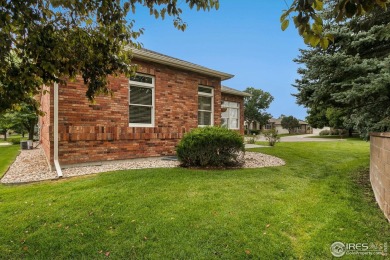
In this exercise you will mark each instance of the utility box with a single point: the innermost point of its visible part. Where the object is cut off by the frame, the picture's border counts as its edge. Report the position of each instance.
(23, 145)
(29, 144)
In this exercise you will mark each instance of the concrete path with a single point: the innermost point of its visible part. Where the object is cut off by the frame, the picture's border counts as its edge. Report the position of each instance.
(247, 146)
(303, 138)
(4, 144)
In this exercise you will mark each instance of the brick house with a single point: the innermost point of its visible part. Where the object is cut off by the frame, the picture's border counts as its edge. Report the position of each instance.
(147, 115)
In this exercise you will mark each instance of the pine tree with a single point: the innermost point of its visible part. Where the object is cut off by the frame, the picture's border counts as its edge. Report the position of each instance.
(352, 75)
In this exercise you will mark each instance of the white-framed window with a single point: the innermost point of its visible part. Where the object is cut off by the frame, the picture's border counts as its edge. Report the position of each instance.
(205, 106)
(141, 101)
(230, 115)
(268, 126)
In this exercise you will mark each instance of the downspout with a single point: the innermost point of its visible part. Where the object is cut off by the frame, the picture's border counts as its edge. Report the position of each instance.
(56, 162)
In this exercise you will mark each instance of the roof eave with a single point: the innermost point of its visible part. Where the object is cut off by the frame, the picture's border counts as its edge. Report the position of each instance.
(162, 59)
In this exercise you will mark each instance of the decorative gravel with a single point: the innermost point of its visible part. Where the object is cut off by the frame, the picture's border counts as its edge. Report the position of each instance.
(31, 165)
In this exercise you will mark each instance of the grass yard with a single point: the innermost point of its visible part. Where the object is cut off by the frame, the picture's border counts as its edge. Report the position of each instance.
(7, 156)
(321, 196)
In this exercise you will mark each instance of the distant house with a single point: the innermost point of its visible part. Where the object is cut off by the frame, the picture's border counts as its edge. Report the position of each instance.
(276, 123)
(147, 115)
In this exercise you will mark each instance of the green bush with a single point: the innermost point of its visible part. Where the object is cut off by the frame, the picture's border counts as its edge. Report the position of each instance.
(325, 132)
(14, 140)
(211, 146)
(271, 136)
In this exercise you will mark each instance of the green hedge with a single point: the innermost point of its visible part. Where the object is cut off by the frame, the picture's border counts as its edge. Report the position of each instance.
(14, 140)
(211, 146)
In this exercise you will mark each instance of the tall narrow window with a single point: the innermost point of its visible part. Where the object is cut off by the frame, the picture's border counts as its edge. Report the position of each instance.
(205, 106)
(141, 101)
(230, 115)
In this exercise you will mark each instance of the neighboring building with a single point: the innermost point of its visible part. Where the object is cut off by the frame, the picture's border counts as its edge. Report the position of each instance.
(147, 115)
(276, 123)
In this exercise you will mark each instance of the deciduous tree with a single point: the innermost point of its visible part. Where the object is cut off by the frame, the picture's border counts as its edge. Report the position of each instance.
(46, 41)
(289, 123)
(255, 106)
(309, 22)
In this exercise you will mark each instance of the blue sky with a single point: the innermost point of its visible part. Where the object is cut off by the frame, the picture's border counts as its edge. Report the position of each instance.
(242, 38)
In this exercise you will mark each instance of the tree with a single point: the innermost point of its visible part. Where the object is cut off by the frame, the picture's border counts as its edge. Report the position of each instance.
(290, 123)
(255, 106)
(352, 75)
(310, 24)
(26, 117)
(7, 121)
(48, 41)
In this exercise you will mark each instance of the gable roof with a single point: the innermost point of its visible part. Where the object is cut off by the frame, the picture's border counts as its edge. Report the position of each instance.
(148, 55)
(233, 91)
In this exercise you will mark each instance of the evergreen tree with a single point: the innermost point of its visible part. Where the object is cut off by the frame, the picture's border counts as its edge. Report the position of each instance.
(352, 76)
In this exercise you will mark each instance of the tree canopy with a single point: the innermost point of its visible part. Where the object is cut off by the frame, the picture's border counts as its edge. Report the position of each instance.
(310, 23)
(46, 41)
(350, 79)
(289, 123)
(255, 106)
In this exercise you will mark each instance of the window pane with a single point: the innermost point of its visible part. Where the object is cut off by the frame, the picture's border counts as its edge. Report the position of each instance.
(204, 103)
(233, 123)
(140, 96)
(224, 122)
(205, 90)
(204, 118)
(233, 113)
(225, 114)
(140, 115)
(233, 104)
(141, 78)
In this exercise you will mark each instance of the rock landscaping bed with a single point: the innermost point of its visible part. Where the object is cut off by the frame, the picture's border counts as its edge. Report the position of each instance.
(31, 165)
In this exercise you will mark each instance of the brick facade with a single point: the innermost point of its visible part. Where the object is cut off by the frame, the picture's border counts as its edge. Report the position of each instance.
(380, 170)
(100, 131)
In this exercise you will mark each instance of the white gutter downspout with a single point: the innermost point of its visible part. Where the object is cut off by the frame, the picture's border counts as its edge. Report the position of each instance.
(56, 162)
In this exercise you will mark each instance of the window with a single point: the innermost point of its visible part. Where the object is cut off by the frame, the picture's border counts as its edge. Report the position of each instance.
(230, 115)
(205, 106)
(141, 101)
(268, 126)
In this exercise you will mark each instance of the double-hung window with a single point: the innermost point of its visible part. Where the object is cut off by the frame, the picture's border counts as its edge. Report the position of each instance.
(141, 101)
(205, 106)
(231, 115)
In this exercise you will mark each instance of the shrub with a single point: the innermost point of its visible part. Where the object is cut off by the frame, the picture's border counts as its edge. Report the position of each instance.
(250, 140)
(325, 132)
(14, 140)
(211, 146)
(271, 136)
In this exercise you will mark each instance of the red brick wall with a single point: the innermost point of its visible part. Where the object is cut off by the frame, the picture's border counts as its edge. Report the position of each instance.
(46, 123)
(380, 170)
(99, 132)
(240, 100)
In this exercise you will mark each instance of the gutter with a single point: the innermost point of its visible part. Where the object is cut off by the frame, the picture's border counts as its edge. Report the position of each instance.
(56, 162)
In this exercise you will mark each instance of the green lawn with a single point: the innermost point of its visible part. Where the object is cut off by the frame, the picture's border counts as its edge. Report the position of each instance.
(321, 196)
(7, 156)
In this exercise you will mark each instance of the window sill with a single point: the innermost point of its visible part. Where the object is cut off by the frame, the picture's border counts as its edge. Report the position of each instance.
(141, 125)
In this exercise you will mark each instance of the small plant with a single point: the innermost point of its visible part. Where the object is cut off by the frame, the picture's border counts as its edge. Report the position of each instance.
(211, 146)
(272, 137)
(250, 140)
(14, 140)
